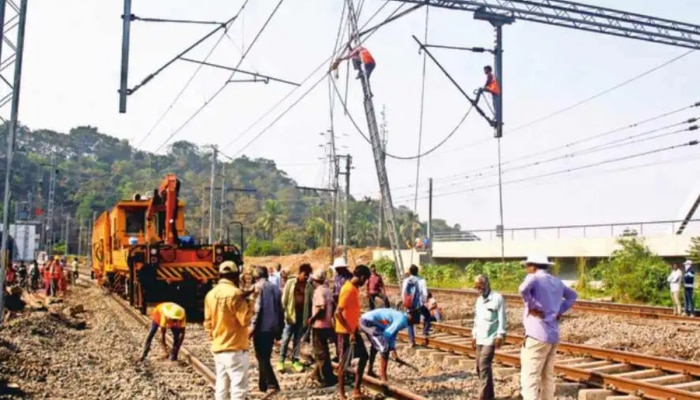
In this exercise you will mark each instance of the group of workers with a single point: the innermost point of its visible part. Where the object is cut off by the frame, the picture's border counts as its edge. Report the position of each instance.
(53, 275)
(308, 308)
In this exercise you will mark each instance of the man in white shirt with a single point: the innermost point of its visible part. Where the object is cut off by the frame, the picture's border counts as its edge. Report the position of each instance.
(488, 333)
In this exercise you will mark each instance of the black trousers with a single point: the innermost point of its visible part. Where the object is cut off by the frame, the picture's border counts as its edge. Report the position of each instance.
(263, 343)
(373, 297)
(323, 370)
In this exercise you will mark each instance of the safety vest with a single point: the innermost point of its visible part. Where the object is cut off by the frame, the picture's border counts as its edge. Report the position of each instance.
(365, 56)
(493, 85)
(162, 310)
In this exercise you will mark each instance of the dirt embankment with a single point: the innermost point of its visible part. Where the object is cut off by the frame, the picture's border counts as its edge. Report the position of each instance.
(318, 258)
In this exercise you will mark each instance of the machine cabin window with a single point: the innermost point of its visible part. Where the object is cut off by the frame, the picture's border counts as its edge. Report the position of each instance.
(135, 221)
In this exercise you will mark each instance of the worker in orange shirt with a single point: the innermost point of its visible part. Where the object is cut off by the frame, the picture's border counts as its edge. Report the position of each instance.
(359, 56)
(46, 274)
(167, 316)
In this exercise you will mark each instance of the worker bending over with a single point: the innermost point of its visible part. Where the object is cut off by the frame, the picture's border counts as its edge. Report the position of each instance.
(382, 326)
(167, 316)
(359, 56)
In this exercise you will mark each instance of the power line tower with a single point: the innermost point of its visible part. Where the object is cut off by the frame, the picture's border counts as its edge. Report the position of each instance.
(379, 156)
(16, 18)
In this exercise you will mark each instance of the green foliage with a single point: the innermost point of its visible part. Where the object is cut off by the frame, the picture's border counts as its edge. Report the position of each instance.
(634, 274)
(385, 267)
(96, 170)
(581, 273)
(290, 241)
(59, 249)
(694, 250)
(260, 248)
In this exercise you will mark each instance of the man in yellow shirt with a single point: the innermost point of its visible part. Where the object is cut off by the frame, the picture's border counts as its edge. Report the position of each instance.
(347, 322)
(167, 316)
(227, 314)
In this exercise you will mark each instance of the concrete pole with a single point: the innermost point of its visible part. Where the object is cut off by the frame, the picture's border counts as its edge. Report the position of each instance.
(212, 182)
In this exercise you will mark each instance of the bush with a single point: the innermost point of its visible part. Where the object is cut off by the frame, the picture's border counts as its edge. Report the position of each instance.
(633, 273)
(289, 242)
(385, 268)
(260, 248)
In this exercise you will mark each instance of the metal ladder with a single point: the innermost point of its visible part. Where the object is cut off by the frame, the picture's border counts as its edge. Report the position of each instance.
(378, 157)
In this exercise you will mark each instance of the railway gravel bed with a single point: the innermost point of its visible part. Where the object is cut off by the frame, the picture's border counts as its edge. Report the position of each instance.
(42, 356)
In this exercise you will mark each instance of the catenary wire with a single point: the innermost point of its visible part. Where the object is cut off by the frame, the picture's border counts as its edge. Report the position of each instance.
(221, 89)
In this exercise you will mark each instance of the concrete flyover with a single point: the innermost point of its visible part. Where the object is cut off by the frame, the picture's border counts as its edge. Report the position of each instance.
(560, 242)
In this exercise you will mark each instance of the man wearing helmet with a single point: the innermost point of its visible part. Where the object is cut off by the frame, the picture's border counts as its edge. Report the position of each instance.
(167, 316)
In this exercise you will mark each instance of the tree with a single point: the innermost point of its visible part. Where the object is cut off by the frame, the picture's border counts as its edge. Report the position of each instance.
(272, 218)
(694, 250)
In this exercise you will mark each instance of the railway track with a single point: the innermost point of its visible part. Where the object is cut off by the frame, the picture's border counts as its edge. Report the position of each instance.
(624, 372)
(587, 306)
(196, 352)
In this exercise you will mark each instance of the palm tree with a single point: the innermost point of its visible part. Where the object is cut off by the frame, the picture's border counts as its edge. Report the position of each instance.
(272, 217)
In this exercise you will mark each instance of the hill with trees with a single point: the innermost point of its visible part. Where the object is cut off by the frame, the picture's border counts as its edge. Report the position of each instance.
(95, 170)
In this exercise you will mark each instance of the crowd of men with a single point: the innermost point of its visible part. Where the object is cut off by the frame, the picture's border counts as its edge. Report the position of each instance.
(309, 309)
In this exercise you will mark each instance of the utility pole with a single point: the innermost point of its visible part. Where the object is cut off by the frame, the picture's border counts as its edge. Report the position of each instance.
(333, 183)
(377, 151)
(50, 213)
(211, 193)
(384, 138)
(92, 231)
(430, 220)
(80, 235)
(348, 163)
(223, 201)
(67, 234)
(12, 134)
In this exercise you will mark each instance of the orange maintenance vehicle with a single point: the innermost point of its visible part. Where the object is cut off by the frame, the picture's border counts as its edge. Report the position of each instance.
(140, 250)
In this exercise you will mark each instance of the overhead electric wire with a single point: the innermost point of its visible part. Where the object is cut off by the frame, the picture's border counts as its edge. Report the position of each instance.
(640, 137)
(568, 170)
(420, 120)
(567, 145)
(182, 91)
(369, 32)
(221, 89)
(604, 92)
(437, 146)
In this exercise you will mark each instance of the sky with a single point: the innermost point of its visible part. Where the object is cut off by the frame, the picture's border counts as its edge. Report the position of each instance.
(71, 76)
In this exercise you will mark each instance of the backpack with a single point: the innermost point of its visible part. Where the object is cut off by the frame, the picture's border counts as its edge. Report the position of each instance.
(411, 298)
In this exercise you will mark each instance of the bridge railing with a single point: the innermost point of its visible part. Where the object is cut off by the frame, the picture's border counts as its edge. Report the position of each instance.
(619, 229)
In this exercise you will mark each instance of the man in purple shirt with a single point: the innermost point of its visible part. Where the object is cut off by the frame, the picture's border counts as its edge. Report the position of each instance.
(545, 299)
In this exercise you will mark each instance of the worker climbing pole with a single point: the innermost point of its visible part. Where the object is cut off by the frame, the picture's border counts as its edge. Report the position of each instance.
(376, 144)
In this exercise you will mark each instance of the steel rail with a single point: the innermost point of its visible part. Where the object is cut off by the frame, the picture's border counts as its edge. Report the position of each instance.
(373, 384)
(640, 360)
(593, 378)
(599, 307)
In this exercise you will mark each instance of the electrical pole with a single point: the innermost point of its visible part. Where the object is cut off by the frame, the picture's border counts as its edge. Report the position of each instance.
(223, 201)
(211, 193)
(67, 234)
(80, 236)
(430, 220)
(333, 182)
(384, 138)
(49, 216)
(379, 161)
(12, 134)
(348, 163)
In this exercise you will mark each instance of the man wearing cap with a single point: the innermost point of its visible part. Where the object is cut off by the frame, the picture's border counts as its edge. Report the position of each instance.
(545, 299)
(382, 326)
(688, 286)
(167, 316)
(321, 323)
(488, 333)
(342, 275)
(227, 315)
(266, 326)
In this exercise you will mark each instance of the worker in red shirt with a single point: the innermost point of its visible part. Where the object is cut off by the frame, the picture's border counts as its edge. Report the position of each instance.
(359, 56)
(167, 316)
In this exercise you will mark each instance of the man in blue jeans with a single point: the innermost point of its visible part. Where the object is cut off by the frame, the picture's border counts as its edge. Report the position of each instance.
(167, 316)
(296, 303)
(688, 286)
